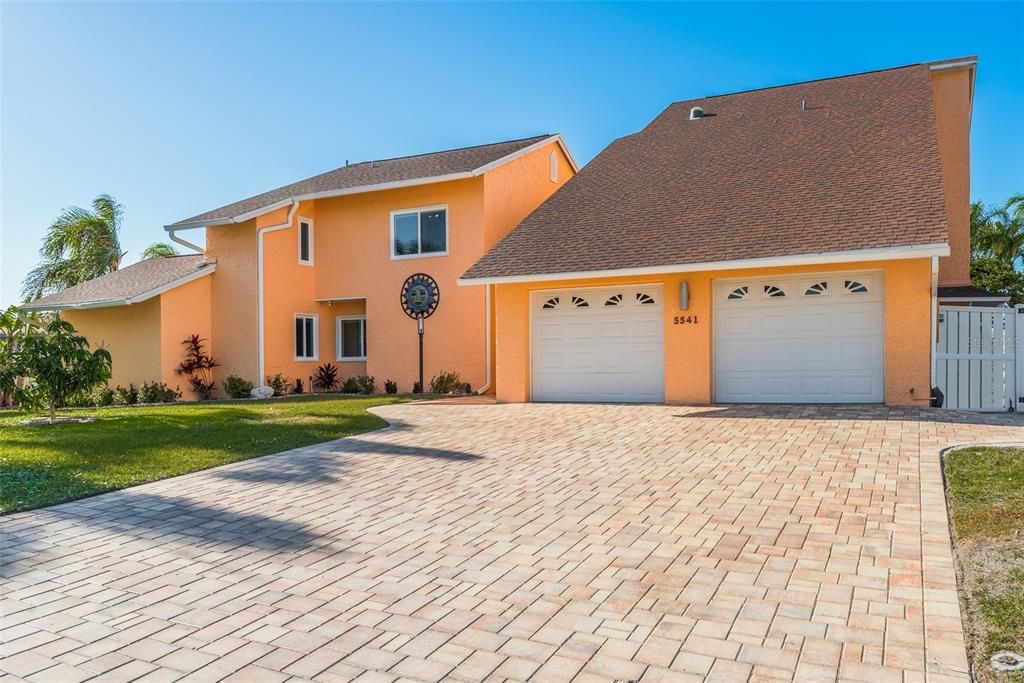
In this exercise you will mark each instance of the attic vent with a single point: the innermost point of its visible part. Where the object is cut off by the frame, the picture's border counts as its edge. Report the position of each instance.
(696, 113)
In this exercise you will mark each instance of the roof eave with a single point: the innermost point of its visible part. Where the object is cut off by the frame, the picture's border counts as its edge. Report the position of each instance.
(379, 187)
(202, 271)
(849, 256)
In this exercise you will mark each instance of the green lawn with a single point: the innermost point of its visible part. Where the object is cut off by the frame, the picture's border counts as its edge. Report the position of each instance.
(132, 445)
(985, 488)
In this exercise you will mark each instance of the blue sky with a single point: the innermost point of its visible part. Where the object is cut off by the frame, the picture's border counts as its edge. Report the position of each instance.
(178, 108)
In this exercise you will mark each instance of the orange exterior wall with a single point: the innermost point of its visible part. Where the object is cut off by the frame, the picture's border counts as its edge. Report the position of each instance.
(130, 333)
(952, 95)
(688, 348)
(184, 311)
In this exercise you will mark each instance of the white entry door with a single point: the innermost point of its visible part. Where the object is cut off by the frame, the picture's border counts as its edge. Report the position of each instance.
(807, 339)
(598, 345)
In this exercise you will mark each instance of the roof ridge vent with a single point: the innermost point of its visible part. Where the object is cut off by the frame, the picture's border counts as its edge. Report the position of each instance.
(696, 113)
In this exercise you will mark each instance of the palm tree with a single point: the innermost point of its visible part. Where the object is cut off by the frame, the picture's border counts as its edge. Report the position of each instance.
(999, 233)
(80, 245)
(159, 250)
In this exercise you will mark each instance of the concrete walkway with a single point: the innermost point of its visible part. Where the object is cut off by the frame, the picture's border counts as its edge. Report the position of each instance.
(540, 542)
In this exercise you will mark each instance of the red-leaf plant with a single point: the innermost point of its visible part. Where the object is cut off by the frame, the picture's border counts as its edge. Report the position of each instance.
(198, 367)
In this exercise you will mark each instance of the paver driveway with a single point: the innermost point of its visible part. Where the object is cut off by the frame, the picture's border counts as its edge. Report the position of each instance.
(472, 542)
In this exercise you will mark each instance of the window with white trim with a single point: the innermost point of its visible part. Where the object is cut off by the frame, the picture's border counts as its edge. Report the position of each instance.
(419, 232)
(351, 337)
(305, 241)
(306, 337)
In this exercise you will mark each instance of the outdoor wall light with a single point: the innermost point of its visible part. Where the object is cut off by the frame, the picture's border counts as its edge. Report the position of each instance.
(684, 295)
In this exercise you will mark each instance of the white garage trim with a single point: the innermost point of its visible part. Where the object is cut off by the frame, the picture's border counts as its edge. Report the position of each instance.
(598, 344)
(807, 338)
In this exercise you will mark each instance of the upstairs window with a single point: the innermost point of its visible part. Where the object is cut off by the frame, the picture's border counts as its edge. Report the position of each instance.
(419, 232)
(305, 242)
(305, 337)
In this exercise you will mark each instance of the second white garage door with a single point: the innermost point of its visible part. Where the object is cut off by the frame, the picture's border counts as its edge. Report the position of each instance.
(598, 345)
(808, 339)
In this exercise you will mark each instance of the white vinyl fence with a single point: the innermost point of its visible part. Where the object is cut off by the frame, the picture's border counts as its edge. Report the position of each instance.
(977, 365)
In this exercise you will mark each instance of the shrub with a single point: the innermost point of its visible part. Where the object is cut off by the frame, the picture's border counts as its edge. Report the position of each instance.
(350, 386)
(298, 388)
(126, 397)
(446, 382)
(279, 383)
(236, 387)
(367, 384)
(158, 392)
(198, 367)
(104, 396)
(325, 378)
(390, 387)
(417, 388)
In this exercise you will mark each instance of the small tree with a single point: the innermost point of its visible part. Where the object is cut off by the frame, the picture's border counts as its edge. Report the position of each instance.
(60, 365)
(198, 367)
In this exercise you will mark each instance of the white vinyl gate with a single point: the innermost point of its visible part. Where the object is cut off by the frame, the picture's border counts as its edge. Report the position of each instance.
(976, 364)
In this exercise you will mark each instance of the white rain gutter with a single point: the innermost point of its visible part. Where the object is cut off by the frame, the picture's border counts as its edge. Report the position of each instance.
(487, 340)
(935, 321)
(261, 378)
(172, 233)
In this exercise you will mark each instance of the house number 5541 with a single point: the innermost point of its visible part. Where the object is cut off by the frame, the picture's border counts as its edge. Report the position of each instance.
(684, 320)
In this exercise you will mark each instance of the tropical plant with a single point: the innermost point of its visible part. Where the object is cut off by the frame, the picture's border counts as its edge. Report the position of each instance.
(158, 392)
(126, 396)
(159, 250)
(999, 232)
(446, 382)
(15, 324)
(60, 365)
(325, 378)
(279, 383)
(198, 367)
(79, 245)
(993, 275)
(390, 386)
(350, 386)
(236, 387)
(367, 384)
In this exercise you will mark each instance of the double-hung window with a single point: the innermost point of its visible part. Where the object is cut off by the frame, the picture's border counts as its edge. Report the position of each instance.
(351, 336)
(419, 232)
(305, 337)
(305, 241)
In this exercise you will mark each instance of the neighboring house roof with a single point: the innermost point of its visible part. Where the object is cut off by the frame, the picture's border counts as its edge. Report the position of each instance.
(129, 285)
(759, 177)
(969, 293)
(381, 174)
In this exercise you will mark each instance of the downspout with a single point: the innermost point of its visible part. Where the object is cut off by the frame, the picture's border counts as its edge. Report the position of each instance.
(487, 341)
(261, 377)
(172, 233)
(935, 320)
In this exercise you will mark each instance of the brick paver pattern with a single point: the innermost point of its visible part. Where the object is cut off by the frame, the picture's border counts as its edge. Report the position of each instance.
(518, 542)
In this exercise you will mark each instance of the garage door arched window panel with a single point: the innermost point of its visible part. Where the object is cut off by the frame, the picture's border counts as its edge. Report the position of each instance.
(614, 300)
(551, 304)
(819, 288)
(739, 293)
(580, 302)
(773, 292)
(856, 286)
(645, 299)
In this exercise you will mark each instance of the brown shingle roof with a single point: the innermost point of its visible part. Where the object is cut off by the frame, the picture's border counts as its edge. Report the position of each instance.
(130, 282)
(463, 160)
(758, 177)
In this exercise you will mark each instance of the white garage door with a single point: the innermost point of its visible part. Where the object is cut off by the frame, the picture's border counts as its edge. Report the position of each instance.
(809, 339)
(599, 345)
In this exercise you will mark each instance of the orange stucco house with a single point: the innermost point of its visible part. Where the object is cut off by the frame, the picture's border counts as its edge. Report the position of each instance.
(311, 273)
(789, 244)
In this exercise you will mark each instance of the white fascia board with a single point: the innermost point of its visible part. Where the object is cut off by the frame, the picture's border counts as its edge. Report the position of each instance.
(341, 298)
(378, 187)
(953, 65)
(851, 256)
(108, 303)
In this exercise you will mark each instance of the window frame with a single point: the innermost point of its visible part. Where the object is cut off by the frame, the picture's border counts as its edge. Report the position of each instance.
(316, 337)
(298, 241)
(419, 211)
(339, 338)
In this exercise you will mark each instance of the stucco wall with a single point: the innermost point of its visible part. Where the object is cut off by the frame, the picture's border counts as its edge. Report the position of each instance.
(951, 91)
(184, 311)
(233, 299)
(688, 348)
(130, 333)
